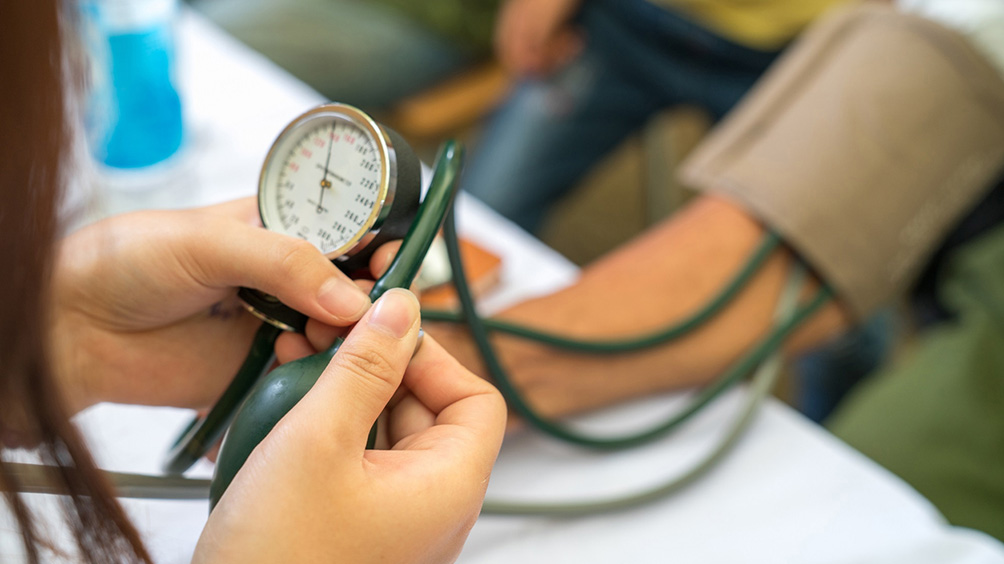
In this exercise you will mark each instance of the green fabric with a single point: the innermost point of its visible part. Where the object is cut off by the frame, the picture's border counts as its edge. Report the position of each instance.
(468, 23)
(937, 418)
(368, 53)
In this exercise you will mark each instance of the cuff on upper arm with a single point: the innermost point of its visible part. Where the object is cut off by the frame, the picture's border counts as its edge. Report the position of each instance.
(863, 146)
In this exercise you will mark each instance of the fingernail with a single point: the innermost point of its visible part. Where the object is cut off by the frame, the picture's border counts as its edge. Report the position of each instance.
(395, 312)
(418, 343)
(343, 299)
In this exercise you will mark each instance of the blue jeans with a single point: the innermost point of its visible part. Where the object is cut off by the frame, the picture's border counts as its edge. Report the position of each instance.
(639, 59)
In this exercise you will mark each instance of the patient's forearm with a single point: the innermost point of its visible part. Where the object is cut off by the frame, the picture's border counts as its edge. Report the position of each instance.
(657, 279)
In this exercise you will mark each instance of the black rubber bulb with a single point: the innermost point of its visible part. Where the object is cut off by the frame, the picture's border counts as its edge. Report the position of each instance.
(282, 388)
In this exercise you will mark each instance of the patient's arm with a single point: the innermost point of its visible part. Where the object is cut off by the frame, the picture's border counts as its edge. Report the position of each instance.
(656, 279)
(866, 182)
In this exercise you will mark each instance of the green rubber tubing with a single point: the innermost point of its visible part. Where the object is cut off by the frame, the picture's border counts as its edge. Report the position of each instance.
(203, 432)
(282, 388)
(732, 376)
(761, 384)
(770, 242)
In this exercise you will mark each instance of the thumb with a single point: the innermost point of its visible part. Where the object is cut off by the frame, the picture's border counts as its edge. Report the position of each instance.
(223, 253)
(367, 369)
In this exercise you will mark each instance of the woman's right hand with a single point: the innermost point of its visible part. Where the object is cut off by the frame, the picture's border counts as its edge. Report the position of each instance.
(311, 492)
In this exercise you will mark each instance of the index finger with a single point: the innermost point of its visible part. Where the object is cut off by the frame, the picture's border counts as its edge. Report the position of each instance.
(454, 394)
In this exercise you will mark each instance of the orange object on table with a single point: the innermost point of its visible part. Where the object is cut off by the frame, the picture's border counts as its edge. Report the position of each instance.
(482, 269)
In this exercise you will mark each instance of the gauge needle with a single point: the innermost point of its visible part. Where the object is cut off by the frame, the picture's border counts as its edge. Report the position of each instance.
(325, 183)
(341, 179)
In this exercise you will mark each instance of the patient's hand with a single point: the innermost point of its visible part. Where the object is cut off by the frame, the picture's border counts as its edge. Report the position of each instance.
(535, 37)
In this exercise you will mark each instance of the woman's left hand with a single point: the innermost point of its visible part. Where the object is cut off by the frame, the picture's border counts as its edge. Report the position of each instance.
(145, 309)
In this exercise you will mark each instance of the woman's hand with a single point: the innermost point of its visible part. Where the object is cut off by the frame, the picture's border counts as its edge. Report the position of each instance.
(535, 37)
(145, 309)
(311, 492)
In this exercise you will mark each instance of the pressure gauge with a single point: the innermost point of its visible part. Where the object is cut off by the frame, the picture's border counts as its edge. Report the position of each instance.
(343, 182)
(332, 178)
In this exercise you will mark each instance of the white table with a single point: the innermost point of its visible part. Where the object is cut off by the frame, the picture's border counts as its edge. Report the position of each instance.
(789, 492)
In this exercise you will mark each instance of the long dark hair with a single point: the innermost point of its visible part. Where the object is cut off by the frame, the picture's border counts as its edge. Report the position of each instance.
(33, 147)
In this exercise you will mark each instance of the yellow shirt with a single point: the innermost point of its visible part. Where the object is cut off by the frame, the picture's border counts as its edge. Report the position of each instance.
(761, 24)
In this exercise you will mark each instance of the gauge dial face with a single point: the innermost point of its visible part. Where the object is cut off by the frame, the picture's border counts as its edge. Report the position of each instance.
(325, 180)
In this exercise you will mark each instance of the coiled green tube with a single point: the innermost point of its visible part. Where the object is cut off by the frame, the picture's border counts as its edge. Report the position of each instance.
(735, 373)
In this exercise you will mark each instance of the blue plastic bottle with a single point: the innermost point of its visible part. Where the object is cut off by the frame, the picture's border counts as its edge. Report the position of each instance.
(135, 114)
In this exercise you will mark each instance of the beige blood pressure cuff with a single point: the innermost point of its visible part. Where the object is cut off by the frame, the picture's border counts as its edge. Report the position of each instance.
(863, 146)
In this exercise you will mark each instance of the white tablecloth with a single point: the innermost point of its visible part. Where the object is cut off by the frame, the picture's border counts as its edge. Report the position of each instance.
(790, 492)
